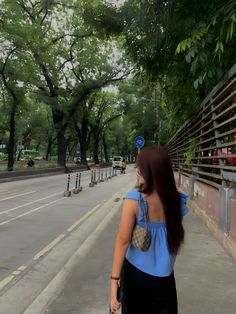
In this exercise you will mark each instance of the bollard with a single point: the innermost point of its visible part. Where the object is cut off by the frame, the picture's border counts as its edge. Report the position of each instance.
(79, 183)
(109, 173)
(95, 177)
(102, 175)
(76, 180)
(106, 174)
(91, 184)
(76, 190)
(99, 174)
(67, 193)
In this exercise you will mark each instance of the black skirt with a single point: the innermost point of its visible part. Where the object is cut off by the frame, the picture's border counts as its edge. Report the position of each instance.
(142, 293)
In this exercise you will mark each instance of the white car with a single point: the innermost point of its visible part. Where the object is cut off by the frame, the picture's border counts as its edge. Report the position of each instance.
(117, 162)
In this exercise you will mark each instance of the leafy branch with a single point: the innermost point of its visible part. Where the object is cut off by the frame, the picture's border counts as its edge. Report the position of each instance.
(191, 152)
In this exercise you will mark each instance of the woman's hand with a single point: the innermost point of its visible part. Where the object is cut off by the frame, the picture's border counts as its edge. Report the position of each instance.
(115, 305)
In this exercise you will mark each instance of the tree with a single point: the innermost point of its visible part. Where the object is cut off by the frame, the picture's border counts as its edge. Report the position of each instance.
(152, 31)
(35, 128)
(14, 90)
(60, 49)
(108, 108)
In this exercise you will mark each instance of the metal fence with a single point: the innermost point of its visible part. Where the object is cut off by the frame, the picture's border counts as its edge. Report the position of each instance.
(206, 146)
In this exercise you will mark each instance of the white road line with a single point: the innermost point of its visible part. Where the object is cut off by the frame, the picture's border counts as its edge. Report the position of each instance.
(55, 286)
(48, 247)
(5, 281)
(83, 218)
(63, 235)
(26, 204)
(21, 268)
(29, 212)
(14, 196)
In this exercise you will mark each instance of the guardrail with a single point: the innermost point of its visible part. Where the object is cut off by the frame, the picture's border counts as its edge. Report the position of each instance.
(206, 146)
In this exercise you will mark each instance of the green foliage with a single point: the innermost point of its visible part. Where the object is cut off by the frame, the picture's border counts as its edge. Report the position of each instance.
(210, 49)
(60, 58)
(57, 56)
(191, 152)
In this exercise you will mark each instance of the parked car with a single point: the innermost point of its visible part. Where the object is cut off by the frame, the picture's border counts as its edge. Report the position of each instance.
(225, 151)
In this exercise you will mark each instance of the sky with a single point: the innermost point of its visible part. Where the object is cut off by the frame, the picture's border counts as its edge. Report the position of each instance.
(118, 3)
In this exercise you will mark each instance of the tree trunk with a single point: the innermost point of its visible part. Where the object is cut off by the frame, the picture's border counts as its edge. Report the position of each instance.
(84, 141)
(61, 148)
(57, 115)
(49, 148)
(105, 149)
(70, 150)
(96, 147)
(83, 152)
(11, 145)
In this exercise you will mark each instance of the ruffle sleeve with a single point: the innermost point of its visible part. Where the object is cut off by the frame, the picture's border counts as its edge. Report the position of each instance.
(132, 195)
(183, 201)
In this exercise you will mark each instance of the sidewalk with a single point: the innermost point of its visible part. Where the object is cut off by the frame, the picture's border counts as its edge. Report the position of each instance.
(205, 276)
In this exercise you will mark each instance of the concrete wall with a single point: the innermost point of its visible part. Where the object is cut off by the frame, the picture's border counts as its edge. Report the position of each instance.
(232, 232)
(207, 200)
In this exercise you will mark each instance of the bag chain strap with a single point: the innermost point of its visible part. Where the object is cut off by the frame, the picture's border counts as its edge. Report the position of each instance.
(145, 211)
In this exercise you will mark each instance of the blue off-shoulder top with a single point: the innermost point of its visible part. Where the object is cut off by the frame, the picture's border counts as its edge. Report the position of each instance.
(157, 260)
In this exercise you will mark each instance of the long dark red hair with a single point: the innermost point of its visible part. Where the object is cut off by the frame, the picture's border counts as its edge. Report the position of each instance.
(155, 167)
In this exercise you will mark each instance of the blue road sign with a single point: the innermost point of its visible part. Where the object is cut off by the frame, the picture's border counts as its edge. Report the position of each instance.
(139, 141)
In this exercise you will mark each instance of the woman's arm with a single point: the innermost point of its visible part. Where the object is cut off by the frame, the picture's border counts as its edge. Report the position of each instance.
(123, 238)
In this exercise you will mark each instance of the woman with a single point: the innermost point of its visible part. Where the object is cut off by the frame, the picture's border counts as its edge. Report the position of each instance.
(147, 277)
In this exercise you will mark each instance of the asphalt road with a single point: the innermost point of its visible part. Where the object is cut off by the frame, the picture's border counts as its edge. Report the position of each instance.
(56, 252)
(35, 218)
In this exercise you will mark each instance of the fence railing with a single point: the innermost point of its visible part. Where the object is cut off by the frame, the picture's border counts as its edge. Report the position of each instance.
(206, 146)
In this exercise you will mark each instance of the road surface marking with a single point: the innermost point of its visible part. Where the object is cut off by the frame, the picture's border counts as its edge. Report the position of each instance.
(48, 247)
(5, 281)
(45, 250)
(8, 198)
(27, 204)
(29, 212)
(63, 235)
(83, 218)
(21, 268)
(55, 286)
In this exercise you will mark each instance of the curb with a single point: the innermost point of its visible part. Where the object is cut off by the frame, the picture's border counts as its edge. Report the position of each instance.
(24, 175)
